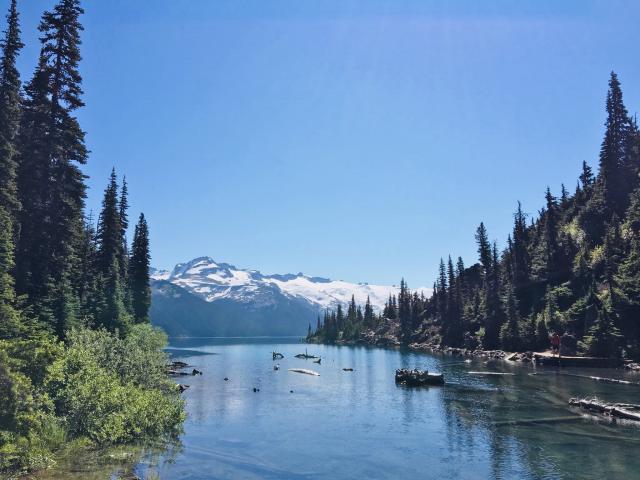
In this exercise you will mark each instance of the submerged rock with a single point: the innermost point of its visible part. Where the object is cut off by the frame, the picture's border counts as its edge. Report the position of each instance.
(417, 378)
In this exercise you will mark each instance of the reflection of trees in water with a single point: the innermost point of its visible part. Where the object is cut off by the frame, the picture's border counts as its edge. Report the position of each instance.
(123, 461)
(564, 445)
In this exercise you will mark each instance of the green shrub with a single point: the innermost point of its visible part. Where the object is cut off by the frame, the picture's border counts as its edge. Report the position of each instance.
(114, 390)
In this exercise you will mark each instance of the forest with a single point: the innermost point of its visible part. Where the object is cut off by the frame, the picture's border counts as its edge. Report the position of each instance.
(572, 269)
(79, 362)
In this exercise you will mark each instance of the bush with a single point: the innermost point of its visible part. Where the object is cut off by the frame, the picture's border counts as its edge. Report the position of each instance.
(112, 389)
(100, 387)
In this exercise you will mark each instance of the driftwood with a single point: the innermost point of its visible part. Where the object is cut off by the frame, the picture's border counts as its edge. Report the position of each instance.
(536, 421)
(277, 355)
(182, 387)
(602, 379)
(348, 369)
(417, 378)
(627, 411)
(491, 373)
(177, 373)
(305, 371)
(319, 360)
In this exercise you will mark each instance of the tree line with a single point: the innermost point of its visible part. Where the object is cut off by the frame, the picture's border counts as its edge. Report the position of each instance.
(78, 358)
(572, 269)
(57, 269)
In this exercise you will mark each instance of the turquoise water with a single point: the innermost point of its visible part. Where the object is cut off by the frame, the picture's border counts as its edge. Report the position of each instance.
(346, 425)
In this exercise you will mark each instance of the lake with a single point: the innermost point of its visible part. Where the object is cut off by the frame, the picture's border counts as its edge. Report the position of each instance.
(360, 424)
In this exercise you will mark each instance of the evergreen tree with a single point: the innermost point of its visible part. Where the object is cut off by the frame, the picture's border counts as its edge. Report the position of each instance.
(484, 248)
(9, 114)
(123, 256)
(404, 311)
(113, 314)
(369, 318)
(10, 321)
(510, 332)
(51, 147)
(139, 264)
(603, 339)
(453, 328)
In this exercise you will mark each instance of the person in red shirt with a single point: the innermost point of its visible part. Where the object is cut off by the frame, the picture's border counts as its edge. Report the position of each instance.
(555, 343)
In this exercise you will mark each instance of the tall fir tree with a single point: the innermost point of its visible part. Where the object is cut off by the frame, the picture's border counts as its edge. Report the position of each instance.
(50, 182)
(9, 115)
(113, 314)
(139, 264)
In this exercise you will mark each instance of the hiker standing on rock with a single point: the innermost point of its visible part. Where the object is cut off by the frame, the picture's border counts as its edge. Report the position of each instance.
(555, 343)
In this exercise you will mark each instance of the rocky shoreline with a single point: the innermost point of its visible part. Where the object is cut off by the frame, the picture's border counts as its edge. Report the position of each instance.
(389, 340)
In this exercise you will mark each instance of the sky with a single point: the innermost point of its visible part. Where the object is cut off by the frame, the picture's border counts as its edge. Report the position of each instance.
(360, 141)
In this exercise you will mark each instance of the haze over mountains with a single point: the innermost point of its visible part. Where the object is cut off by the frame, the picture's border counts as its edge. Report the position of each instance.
(203, 297)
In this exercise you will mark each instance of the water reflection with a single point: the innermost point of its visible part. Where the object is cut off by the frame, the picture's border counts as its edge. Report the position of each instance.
(361, 424)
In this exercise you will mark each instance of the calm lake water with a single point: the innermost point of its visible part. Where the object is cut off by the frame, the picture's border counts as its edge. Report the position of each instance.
(346, 425)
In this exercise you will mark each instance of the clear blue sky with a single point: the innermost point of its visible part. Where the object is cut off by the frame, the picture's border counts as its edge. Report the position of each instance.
(355, 140)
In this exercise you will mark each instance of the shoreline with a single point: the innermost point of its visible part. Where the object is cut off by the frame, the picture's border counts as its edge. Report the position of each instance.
(529, 357)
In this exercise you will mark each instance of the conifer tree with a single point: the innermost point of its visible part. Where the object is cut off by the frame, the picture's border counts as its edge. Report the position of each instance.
(123, 256)
(139, 264)
(603, 338)
(51, 185)
(484, 248)
(10, 321)
(404, 310)
(9, 114)
(369, 318)
(113, 314)
(510, 332)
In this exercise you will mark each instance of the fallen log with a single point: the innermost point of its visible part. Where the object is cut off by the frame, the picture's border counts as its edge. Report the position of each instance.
(491, 373)
(277, 355)
(305, 371)
(536, 421)
(601, 379)
(618, 410)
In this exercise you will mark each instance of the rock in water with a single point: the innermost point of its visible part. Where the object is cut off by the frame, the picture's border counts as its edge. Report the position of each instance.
(417, 378)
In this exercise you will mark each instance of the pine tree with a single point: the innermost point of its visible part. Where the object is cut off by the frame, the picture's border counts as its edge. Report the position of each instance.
(10, 322)
(521, 259)
(50, 183)
(404, 311)
(9, 115)
(113, 314)
(139, 264)
(123, 256)
(369, 318)
(484, 248)
(542, 333)
(510, 332)
(453, 328)
(603, 338)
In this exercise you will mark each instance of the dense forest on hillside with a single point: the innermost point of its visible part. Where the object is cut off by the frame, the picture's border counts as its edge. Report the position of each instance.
(78, 358)
(574, 269)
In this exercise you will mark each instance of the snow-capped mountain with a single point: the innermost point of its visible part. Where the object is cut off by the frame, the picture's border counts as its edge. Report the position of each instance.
(205, 297)
(213, 281)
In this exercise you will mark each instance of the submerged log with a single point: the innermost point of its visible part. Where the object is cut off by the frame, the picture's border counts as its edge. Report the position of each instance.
(277, 355)
(537, 421)
(619, 410)
(492, 373)
(417, 378)
(305, 371)
(182, 387)
(602, 379)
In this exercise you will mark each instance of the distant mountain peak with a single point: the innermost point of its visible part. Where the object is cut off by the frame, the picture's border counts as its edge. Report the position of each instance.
(213, 281)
